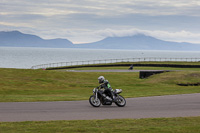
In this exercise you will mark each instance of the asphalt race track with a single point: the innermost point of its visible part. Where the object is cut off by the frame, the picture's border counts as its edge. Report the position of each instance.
(144, 107)
(108, 70)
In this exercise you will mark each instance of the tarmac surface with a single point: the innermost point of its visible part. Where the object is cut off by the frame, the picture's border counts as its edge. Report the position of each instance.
(112, 70)
(144, 107)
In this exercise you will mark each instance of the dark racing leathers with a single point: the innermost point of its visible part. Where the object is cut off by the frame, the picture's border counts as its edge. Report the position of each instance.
(108, 89)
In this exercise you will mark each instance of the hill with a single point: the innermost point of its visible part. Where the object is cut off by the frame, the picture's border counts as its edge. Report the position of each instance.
(136, 42)
(18, 39)
(139, 42)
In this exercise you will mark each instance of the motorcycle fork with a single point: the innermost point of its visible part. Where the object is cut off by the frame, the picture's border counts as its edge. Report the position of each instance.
(96, 96)
(116, 96)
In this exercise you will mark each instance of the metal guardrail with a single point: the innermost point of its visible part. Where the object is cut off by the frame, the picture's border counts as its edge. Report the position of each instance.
(106, 61)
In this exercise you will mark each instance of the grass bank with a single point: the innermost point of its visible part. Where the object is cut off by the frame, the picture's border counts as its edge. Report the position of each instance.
(153, 125)
(127, 64)
(38, 85)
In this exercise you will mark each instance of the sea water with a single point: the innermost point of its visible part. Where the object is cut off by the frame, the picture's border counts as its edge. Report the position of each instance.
(20, 57)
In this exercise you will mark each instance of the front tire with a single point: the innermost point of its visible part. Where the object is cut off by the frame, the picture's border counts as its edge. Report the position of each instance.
(121, 102)
(94, 102)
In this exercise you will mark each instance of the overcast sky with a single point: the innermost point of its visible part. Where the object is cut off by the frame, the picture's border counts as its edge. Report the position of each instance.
(91, 20)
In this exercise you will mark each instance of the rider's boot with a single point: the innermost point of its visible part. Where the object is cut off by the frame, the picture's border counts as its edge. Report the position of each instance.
(114, 99)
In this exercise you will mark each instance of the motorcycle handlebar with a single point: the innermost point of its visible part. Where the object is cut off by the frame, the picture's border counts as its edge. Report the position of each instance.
(99, 87)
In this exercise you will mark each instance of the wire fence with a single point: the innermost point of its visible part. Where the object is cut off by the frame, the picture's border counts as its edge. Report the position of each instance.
(106, 61)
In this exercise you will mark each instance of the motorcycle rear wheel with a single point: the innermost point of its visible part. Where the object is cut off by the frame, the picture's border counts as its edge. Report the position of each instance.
(94, 102)
(121, 102)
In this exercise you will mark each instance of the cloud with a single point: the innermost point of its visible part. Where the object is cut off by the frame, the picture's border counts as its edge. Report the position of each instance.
(101, 7)
(92, 20)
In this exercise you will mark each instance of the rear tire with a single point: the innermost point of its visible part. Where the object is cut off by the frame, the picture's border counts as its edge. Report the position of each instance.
(121, 102)
(94, 102)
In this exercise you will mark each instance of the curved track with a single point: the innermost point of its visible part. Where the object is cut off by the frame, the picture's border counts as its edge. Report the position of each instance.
(111, 70)
(144, 107)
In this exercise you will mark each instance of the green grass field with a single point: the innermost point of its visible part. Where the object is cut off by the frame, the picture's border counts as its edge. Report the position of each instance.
(42, 85)
(126, 64)
(39, 85)
(151, 125)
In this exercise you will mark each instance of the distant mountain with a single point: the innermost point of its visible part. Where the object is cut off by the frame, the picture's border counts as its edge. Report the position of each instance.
(139, 42)
(18, 39)
(136, 42)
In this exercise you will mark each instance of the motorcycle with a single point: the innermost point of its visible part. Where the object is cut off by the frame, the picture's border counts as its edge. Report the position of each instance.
(100, 96)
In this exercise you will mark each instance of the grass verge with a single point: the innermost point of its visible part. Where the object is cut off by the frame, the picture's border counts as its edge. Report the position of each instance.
(22, 85)
(127, 64)
(151, 125)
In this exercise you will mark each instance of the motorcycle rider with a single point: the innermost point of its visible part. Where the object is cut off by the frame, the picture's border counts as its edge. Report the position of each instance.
(106, 85)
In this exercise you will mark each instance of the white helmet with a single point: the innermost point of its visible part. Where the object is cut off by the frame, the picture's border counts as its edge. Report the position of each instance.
(101, 79)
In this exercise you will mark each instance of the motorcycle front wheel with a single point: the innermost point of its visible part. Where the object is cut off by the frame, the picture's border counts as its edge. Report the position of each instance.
(121, 102)
(94, 102)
